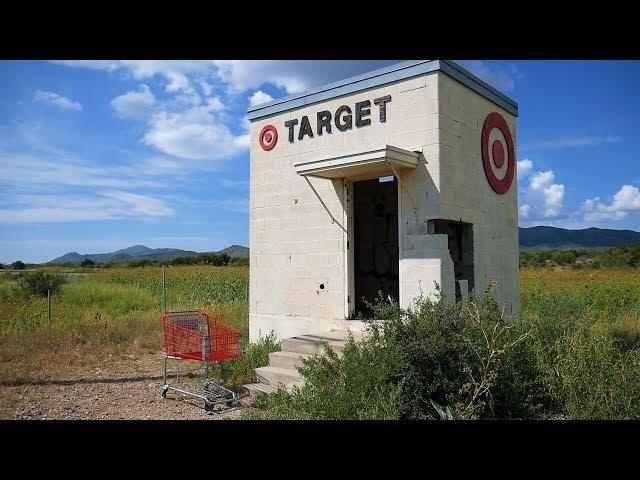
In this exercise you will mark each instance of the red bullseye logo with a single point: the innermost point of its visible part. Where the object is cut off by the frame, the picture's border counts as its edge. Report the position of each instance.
(495, 158)
(268, 137)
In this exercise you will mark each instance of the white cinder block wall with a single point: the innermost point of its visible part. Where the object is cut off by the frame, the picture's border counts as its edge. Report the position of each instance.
(296, 244)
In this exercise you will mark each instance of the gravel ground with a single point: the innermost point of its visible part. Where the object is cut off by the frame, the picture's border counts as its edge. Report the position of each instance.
(120, 387)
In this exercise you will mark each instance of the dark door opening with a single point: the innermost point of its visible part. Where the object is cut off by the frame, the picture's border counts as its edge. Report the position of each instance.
(376, 253)
(460, 244)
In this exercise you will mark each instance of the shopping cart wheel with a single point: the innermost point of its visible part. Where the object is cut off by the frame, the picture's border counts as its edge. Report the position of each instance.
(164, 392)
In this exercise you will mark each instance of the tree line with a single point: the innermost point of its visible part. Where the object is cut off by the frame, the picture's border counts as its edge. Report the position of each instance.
(621, 256)
(214, 259)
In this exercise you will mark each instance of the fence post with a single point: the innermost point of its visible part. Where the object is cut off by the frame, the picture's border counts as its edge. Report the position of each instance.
(164, 289)
(49, 308)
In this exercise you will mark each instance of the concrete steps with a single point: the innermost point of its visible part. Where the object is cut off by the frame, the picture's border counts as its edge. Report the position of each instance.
(287, 359)
(277, 376)
(261, 387)
(315, 344)
(283, 366)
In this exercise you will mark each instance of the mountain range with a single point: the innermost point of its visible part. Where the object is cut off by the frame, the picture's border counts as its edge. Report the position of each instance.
(142, 252)
(542, 238)
(531, 238)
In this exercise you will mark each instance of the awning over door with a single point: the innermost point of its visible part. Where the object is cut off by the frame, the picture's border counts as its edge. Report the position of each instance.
(360, 166)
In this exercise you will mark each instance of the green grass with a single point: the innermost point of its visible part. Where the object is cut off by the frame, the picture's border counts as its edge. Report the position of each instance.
(121, 308)
(580, 358)
(574, 353)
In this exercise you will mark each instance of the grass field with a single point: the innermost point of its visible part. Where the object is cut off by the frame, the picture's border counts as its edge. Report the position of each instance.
(121, 305)
(607, 298)
(117, 311)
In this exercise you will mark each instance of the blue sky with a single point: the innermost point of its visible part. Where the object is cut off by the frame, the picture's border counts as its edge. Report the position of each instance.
(100, 155)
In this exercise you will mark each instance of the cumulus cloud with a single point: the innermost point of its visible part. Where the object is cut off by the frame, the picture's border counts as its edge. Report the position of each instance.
(51, 98)
(293, 76)
(134, 104)
(524, 168)
(541, 198)
(626, 200)
(206, 87)
(259, 97)
(194, 134)
(188, 126)
(173, 71)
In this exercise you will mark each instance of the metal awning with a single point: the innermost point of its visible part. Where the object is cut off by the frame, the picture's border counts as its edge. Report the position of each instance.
(365, 165)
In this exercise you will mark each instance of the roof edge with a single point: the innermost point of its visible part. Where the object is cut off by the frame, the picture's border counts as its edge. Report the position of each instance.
(383, 76)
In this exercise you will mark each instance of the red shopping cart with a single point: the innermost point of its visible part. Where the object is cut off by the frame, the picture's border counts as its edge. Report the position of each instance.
(196, 335)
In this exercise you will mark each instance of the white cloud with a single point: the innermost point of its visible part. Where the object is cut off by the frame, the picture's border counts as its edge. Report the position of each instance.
(134, 104)
(541, 198)
(174, 71)
(108, 205)
(294, 76)
(206, 87)
(193, 134)
(141, 205)
(259, 97)
(29, 171)
(214, 104)
(502, 77)
(571, 142)
(177, 82)
(183, 125)
(243, 75)
(626, 200)
(51, 98)
(524, 168)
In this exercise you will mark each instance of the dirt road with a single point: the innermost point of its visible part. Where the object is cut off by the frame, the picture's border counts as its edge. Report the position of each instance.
(122, 387)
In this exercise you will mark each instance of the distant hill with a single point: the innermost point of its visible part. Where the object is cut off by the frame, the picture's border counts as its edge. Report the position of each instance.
(531, 238)
(236, 251)
(142, 252)
(542, 238)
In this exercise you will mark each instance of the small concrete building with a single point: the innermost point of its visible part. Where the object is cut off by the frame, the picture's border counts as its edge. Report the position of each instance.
(400, 181)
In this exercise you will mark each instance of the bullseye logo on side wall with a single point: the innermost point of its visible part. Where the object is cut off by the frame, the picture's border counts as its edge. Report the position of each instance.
(495, 133)
(268, 137)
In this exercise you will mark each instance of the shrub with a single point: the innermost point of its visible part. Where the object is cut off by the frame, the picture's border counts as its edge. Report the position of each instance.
(87, 262)
(613, 257)
(18, 265)
(434, 358)
(139, 262)
(239, 262)
(353, 385)
(238, 372)
(591, 376)
(39, 282)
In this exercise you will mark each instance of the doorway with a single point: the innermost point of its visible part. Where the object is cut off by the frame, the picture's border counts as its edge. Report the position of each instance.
(376, 252)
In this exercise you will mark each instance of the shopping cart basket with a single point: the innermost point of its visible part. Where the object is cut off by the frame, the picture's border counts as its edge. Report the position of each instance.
(196, 335)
